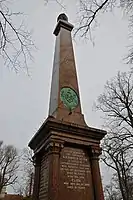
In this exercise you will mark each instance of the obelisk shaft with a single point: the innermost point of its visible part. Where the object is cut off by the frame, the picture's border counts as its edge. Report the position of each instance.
(66, 107)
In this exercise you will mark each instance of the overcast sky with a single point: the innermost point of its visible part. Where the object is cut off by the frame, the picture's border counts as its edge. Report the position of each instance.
(24, 100)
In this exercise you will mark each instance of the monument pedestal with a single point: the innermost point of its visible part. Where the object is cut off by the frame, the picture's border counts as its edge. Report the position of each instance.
(67, 164)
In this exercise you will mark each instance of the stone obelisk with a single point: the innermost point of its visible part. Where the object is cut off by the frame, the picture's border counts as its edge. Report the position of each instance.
(66, 150)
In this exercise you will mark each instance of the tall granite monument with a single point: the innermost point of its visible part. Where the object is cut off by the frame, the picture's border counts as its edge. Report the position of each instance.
(66, 150)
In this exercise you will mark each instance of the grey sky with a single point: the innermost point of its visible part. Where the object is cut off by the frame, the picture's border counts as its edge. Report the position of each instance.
(24, 100)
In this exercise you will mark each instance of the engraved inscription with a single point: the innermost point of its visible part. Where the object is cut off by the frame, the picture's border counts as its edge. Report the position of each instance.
(75, 168)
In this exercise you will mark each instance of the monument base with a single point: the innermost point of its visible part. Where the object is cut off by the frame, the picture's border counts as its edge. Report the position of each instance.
(66, 162)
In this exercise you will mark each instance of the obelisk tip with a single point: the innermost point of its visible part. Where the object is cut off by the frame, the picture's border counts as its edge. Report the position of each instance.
(62, 16)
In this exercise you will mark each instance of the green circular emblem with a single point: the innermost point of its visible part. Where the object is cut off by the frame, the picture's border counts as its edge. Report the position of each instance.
(69, 97)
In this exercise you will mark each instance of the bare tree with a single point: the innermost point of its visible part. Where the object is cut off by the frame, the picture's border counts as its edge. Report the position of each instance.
(9, 163)
(15, 41)
(110, 192)
(29, 171)
(118, 155)
(116, 102)
(25, 183)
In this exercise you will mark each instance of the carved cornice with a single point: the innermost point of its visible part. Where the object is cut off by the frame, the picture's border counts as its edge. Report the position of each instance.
(54, 147)
(62, 24)
(51, 124)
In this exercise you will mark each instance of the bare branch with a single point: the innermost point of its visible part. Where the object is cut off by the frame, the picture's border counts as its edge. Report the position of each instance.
(16, 44)
(116, 102)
